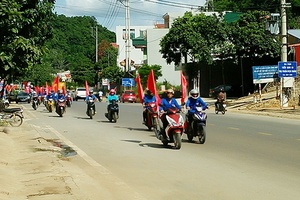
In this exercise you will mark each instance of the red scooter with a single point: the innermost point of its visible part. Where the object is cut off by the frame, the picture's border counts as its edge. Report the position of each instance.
(152, 115)
(173, 131)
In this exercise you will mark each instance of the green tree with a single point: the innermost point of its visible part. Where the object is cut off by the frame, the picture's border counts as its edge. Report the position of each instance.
(24, 28)
(144, 72)
(114, 74)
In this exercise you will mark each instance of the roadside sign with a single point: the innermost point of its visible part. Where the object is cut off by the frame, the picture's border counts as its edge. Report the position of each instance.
(128, 82)
(264, 74)
(287, 69)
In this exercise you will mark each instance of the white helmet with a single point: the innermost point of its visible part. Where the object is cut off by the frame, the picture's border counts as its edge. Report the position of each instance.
(194, 93)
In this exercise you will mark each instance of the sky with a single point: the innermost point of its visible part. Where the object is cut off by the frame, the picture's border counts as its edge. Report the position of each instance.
(111, 13)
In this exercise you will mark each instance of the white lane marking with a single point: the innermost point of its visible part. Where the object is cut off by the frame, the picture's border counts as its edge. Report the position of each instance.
(263, 133)
(233, 128)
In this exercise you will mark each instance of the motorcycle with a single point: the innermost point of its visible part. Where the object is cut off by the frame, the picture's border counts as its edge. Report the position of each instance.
(5, 103)
(173, 131)
(197, 126)
(50, 104)
(61, 107)
(12, 116)
(220, 107)
(113, 111)
(90, 111)
(152, 115)
(69, 100)
(35, 103)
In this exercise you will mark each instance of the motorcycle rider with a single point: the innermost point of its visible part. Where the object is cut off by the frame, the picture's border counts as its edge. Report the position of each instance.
(59, 96)
(192, 102)
(220, 98)
(148, 98)
(93, 97)
(112, 96)
(51, 95)
(166, 103)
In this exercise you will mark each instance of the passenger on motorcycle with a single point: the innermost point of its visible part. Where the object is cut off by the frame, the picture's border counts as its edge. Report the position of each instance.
(93, 97)
(166, 103)
(34, 95)
(148, 98)
(193, 101)
(111, 96)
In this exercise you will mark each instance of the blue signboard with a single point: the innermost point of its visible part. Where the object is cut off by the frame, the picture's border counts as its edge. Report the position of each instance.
(264, 74)
(128, 82)
(287, 69)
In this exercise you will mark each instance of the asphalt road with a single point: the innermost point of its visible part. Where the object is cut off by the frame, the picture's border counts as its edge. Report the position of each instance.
(244, 157)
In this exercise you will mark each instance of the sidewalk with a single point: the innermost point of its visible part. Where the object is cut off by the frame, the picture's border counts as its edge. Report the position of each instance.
(33, 168)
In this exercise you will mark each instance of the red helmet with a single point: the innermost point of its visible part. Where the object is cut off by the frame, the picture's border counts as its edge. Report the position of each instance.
(112, 91)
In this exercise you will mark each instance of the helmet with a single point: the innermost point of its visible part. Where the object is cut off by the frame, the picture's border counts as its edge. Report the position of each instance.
(170, 91)
(59, 91)
(112, 92)
(194, 93)
(91, 91)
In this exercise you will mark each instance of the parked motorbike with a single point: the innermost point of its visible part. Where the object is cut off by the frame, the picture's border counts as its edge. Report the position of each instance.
(220, 107)
(90, 111)
(197, 126)
(69, 100)
(12, 116)
(113, 111)
(5, 103)
(35, 103)
(174, 130)
(61, 107)
(50, 105)
(152, 115)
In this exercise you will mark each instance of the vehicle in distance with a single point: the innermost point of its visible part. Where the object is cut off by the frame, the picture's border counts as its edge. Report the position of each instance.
(23, 97)
(80, 93)
(128, 96)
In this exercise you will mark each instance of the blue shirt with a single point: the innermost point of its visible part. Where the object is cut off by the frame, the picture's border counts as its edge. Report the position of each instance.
(88, 97)
(148, 99)
(193, 103)
(166, 104)
(50, 96)
(112, 97)
(60, 97)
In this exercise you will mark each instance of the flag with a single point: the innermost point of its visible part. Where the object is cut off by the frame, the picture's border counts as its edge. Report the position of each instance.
(55, 83)
(86, 88)
(63, 90)
(183, 87)
(140, 88)
(152, 86)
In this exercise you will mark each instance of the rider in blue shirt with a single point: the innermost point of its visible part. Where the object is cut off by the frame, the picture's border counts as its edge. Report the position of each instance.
(193, 101)
(166, 103)
(148, 98)
(112, 96)
(51, 95)
(93, 97)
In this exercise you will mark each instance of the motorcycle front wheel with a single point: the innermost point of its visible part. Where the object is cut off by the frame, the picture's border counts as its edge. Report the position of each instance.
(177, 140)
(15, 120)
(202, 135)
(115, 117)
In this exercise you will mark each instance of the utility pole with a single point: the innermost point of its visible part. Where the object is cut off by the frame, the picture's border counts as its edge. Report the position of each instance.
(96, 37)
(127, 42)
(284, 82)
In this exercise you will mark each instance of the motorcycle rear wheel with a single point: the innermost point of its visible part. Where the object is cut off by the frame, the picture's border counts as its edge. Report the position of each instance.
(177, 140)
(16, 120)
